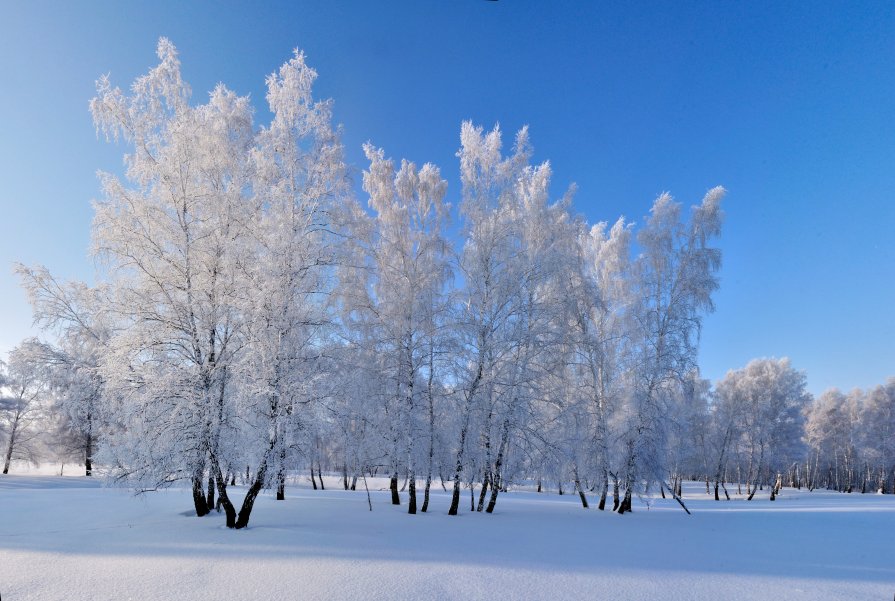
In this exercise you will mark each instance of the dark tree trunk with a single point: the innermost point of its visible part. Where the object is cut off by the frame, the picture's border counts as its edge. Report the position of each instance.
(393, 485)
(430, 466)
(580, 490)
(485, 482)
(281, 489)
(752, 485)
(455, 496)
(223, 497)
(242, 520)
(496, 478)
(676, 498)
(425, 506)
(411, 491)
(615, 500)
(354, 482)
(199, 500)
(313, 480)
(12, 444)
(209, 497)
(751, 489)
(495, 489)
(88, 451)
(281, 475)
(626, 502)
(603, 492)
(366, 488)
(320, 475)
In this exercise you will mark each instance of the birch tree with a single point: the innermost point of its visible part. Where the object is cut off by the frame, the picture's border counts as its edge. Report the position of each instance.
(23, 406)
(73, 312)
(403, 295)
(298, 182)
(771, 397)
(507, 259)
(486, 269)
(878, 419)
(675, 278)
(598, 303)
(172, 237)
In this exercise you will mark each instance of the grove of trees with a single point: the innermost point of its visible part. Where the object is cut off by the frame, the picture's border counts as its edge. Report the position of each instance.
(252, 319)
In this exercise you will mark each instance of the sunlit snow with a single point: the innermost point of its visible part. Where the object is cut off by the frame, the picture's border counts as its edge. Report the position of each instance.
(72, 539)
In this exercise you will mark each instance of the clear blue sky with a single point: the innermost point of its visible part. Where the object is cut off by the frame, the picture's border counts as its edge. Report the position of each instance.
(790, 106)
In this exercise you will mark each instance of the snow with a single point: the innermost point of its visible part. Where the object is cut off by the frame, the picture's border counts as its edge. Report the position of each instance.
(69, 538)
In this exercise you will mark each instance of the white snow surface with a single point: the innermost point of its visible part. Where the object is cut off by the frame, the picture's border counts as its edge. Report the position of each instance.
(69, 538)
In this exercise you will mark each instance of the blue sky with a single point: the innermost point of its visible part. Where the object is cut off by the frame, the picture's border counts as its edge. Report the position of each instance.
(790, 106)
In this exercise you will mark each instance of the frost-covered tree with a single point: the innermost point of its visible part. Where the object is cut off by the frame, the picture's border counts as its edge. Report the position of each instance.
(298, 180)
(598, 327)
(828, 433)
(489, 281)
(506, 305)
(75, 314)
(172, 236)
(219, 246)
(688, 443)
(769, 397)
(726, 421)
(23, 404)
(398, 302)
(675, 276)
(877, 418)
(849, 437)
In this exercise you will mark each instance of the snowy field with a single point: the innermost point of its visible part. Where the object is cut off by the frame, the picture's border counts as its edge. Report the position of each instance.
(69, 538)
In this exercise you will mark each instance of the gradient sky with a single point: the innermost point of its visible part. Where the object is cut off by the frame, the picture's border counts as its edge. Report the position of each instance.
(790, 106)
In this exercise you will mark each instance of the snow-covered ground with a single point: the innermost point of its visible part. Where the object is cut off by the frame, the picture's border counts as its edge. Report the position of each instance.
(69, 538)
